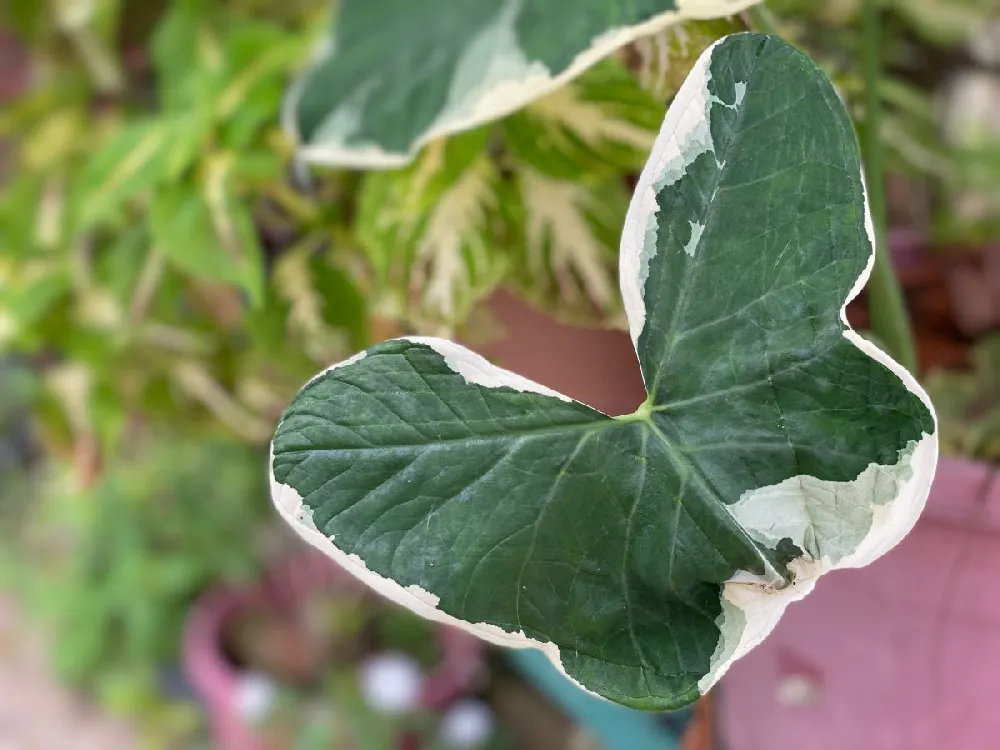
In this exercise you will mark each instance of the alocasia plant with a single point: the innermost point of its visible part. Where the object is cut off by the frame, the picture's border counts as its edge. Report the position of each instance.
(644, 553)
(396, 75)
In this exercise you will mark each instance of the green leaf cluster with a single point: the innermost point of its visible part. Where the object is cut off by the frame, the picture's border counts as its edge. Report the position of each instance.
(157, 260)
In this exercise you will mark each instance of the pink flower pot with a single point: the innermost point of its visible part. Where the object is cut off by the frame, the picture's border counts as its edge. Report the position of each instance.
(218, 681)
(901, 655)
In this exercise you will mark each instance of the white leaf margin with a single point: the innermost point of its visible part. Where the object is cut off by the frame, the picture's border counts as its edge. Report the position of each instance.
(509, 85)
(683, 137)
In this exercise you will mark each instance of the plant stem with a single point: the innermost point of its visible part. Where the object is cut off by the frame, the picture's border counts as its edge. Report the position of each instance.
(890, 321)
(762, 20)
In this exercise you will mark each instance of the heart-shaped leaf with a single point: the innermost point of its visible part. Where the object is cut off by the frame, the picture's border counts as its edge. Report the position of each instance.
(645, 553)
(397, 74)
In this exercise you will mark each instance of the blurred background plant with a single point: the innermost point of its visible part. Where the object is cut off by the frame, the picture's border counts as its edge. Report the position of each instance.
(968, 404)
(939, 91)
(139, 223)
(115, 567)
(170, 274)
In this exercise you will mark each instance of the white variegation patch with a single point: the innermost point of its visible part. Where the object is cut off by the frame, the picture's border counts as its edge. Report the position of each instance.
(752, 605)
(493, 78)
(697, 228)
(684, 137)
(751, 608)
(480, 371)
(894, 520)
(474, 368)
(826, 520)
(458, 221)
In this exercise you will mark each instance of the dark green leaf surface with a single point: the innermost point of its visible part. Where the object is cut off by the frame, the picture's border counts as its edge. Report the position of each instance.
(644, 553)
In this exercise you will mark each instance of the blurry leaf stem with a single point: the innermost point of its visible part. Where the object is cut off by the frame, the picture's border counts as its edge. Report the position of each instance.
(761, 19)
(890, 321)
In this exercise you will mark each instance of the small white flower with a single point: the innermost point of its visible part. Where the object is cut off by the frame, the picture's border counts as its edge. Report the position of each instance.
(468, 723)
(391, 682)
(255, 696)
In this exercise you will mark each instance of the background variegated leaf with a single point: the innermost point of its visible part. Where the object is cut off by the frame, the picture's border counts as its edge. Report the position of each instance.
(645, 553)
(396, 75)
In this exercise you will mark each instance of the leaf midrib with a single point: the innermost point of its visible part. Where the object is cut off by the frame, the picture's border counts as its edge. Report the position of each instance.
(681, 459)
(643, 415)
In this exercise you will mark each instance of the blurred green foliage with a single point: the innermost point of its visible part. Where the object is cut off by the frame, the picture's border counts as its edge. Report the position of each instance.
(114, 568)
(165, 259)
(157, 262)
(929, 45)
(170, 289)
(968, 404)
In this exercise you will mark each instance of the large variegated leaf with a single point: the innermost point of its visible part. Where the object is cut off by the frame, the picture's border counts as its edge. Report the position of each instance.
(644, 553)
(397, 75)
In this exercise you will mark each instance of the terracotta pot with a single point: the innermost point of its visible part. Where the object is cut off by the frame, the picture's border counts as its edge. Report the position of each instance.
(597, 367)
(700, 734)
(218, 681)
